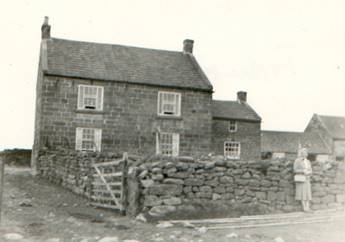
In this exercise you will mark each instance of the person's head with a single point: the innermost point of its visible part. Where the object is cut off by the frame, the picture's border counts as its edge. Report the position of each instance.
(303, 153)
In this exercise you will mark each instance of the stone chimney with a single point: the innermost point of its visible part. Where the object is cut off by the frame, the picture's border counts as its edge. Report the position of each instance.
(242, 96)
(45, 29)
(188, 46)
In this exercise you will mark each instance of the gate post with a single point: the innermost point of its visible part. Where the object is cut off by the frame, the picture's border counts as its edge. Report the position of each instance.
(124, 191)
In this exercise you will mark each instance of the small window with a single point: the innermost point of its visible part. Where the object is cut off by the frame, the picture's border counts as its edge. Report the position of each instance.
(88, 139)
(266, 155)
(311, 157)
(232, 149)
(169, 104)
(232, 126)
(168, 144)
(90, 97)
(340, 158)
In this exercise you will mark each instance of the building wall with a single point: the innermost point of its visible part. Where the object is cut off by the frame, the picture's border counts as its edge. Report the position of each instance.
(315, 126)
(339, 148)
(129, 118)
(248, 133)
(38, 111)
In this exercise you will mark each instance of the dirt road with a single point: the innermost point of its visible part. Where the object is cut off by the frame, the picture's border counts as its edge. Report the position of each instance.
(40, 211)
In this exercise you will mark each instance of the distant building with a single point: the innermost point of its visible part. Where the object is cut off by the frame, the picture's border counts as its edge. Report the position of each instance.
(279, 144)
(236, 129)
(331, 129)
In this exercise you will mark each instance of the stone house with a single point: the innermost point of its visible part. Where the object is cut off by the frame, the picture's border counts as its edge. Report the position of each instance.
(331, 129)
(284, 145)
(115, 98)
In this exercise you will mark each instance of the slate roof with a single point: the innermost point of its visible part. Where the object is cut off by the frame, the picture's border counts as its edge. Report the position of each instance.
(123, 63)
(234, 110)
(288, 142)
(334, 125)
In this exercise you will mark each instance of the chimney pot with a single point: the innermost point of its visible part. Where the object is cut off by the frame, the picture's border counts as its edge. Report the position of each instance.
(188, 46)
(242, 96)
(45, 29)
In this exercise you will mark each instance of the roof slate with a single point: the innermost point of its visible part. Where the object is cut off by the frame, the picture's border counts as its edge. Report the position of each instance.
(288, 142)
(335, 125)
(234, 110)
(124, 63)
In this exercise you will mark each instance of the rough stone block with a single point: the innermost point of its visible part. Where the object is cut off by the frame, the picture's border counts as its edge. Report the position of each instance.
(271, 196)
(165, 189)
(173, 181)
(216, 196)
(328, 199)
(219, 189)
(226, 179)
(147, 183)
(193, 182)
(151, 201)
(206, 189)
(340, 198)
(162, 210)
(172, 201)
(261, 195)
(179, 174)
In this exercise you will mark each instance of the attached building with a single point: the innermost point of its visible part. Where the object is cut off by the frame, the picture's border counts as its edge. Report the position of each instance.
(236, 129)
(279, 144)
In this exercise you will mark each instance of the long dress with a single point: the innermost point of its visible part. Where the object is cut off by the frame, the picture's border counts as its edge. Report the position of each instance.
(303, 189)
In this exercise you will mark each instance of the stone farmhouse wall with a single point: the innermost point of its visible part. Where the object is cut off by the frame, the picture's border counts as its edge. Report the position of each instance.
(171, 185)
(129, 118)
(248, 134)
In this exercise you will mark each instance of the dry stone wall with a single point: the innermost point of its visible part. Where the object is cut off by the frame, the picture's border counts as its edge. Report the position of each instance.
(161, 185)
(70, 169)
(170, 185)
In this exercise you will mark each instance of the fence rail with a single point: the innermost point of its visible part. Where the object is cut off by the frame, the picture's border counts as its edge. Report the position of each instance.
(109, 187)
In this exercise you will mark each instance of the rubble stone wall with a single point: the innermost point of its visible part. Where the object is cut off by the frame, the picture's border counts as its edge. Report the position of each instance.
(70, 169)
(170, 184)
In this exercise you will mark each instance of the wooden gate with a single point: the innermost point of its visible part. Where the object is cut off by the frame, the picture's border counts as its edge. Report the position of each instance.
(109, 186)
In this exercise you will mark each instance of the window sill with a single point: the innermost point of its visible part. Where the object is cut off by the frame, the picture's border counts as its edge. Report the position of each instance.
(89, 111)
(169, 117)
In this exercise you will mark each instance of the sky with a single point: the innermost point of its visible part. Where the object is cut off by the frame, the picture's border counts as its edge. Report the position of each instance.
(288, 55)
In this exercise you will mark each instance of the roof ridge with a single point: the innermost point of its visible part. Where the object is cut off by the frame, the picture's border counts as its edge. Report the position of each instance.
(278, 131)
(119, 45)
(331, 116)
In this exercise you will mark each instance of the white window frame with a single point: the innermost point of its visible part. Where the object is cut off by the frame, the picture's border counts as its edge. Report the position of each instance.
(90, 92)
(162, 102)
(175, 144)
(232, 126)
(228, 154)
(80, 139)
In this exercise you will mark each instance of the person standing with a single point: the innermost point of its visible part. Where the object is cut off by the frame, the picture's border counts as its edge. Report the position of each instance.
(303, 171)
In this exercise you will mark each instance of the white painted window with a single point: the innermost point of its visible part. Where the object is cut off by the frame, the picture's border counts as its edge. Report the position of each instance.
(88, 139)
(232, 149)
(168, 144)
(169, 103)
(232, 126)
(90, 97)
